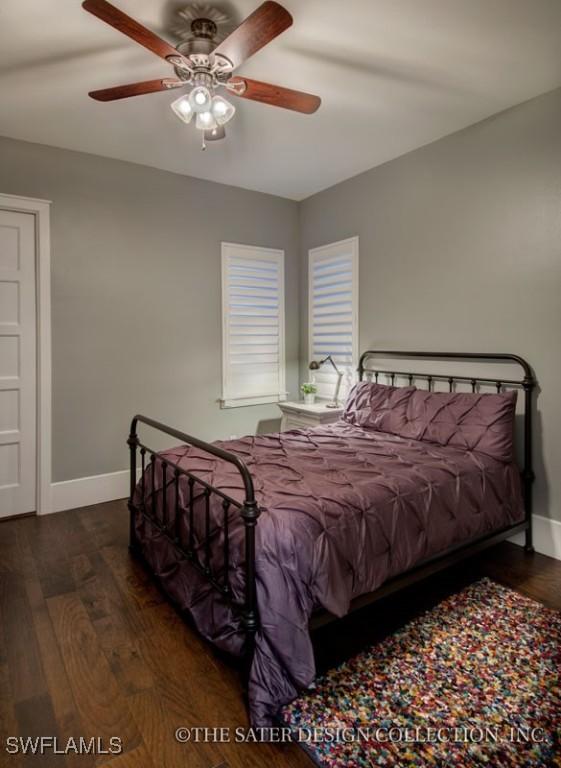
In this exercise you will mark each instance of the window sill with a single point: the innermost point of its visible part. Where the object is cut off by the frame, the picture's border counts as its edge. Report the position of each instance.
(243, 402)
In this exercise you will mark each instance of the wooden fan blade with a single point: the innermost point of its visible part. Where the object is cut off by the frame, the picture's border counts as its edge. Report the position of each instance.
(128, 26)
(262, 26)
(275, 95)
(135, 89)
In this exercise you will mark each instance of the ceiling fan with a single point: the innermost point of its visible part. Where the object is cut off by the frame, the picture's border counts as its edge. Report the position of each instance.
(203, 64)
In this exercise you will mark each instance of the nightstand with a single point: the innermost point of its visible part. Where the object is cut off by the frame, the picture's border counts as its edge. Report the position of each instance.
(300, 416)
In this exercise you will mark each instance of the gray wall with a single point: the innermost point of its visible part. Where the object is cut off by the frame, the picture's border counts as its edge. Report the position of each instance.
(136, 309)
(460, 249)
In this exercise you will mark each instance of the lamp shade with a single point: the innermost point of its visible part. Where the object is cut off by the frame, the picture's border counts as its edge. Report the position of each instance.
(216, 134)
(200, 99)
(222, 110)
(205, 121)
(182, 108)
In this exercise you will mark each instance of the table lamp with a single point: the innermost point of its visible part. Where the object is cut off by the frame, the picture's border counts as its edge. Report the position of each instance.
(315, 366)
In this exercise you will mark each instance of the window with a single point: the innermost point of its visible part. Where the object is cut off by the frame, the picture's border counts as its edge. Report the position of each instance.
(333, 312)
(253, 364)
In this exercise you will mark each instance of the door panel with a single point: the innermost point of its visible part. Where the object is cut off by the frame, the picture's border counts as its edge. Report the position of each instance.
(17, 363)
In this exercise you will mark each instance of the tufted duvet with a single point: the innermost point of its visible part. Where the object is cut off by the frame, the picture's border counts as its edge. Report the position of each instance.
(344, 508)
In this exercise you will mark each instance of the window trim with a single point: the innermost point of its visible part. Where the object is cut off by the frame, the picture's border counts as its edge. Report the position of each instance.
(335, 248)
(227, 401)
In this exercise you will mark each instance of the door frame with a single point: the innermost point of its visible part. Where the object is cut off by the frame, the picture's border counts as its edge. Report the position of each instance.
(41, 210)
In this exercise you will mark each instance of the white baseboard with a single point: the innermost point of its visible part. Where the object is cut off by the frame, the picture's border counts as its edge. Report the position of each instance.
(85, 491)
(547, 537)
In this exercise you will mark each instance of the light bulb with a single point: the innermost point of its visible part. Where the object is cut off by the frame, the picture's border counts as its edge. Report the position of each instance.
(206, 121)
(222, 110)
(200, 99)
(182, 109)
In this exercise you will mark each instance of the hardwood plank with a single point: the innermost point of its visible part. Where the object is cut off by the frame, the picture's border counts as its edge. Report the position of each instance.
(68, 528)
(129, 667)
(61, 697)
(8, 720)
(36, 718)
(110, 617)
(134, 582)
(95, 601)
(146, 606)
(158, 724)
(106, 524)
(15, 553)
(139, 757)
(196, 691)
(100, 703)
(22, 651)
(534, 575)
(54, 540)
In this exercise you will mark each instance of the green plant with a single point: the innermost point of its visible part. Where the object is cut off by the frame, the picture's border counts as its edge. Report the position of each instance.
(308, 388)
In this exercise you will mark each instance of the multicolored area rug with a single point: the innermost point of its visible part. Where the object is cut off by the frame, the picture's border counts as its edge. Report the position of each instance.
(473, 682)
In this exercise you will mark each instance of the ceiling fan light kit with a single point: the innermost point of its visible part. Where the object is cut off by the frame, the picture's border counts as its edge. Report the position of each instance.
(204, 62)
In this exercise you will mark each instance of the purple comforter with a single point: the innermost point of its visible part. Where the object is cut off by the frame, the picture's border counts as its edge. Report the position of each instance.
(343, 510)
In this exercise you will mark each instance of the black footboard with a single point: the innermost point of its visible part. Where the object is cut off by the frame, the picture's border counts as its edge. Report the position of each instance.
(198, 490)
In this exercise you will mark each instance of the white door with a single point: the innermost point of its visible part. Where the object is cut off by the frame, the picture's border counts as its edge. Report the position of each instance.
(17, 363)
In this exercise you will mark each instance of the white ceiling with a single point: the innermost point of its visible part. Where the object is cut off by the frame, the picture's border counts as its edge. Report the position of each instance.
(393, 75)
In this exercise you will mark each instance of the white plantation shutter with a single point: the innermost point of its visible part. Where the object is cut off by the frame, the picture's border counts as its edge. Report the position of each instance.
(253, 365)
(333, 313)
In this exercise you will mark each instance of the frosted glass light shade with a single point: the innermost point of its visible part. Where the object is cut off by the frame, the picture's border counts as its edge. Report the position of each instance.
(200, 99)
(182, 109)
(222, 110)
(216, 134)
(206, 121)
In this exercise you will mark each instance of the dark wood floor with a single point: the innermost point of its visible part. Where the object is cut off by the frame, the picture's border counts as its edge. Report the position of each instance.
(89, 647)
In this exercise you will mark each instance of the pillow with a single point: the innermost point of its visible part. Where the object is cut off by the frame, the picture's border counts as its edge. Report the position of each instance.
(476, 422)
(378, 406)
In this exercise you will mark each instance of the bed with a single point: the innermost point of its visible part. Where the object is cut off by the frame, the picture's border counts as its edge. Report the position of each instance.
(264, 538)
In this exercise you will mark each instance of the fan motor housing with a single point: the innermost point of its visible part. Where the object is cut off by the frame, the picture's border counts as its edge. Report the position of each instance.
(199, 48)
(205, 28)
(202, 45)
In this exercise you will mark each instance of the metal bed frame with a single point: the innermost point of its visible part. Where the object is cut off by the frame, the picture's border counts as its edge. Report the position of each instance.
(201, 492)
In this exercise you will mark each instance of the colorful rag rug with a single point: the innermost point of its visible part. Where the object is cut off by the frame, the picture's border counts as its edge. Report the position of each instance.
(472, 682)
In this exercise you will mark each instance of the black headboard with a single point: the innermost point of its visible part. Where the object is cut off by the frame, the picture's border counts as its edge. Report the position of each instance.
(527, 383)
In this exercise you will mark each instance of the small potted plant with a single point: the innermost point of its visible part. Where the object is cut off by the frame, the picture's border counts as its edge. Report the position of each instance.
(309, 390)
